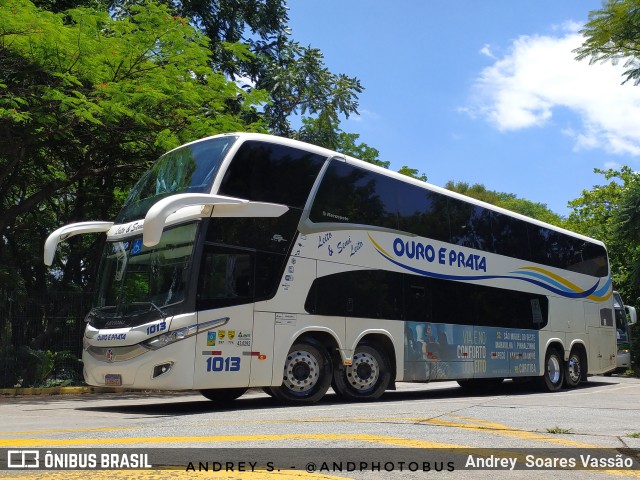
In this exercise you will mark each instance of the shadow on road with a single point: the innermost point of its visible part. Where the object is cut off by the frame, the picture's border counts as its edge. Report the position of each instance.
(166, 404)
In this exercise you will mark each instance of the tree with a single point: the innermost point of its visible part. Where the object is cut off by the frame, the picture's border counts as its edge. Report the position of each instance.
(251, 43)
(86, 103)
(627, 227)
(413, 173)
(606, 213)
(609, 213)
(325, 132)
(613, 34)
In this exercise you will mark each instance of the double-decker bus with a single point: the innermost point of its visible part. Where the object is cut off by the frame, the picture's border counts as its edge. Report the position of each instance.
(246, 260)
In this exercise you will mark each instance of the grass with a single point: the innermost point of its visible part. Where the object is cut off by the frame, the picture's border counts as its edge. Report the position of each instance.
(559, 430)
(634, 435)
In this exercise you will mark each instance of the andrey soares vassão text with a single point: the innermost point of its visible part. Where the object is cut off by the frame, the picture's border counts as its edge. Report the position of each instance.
(583, 461)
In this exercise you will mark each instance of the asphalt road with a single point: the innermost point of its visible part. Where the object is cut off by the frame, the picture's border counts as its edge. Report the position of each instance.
(510, 422)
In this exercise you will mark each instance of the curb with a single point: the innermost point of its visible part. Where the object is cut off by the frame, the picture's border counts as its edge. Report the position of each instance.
(15, 392)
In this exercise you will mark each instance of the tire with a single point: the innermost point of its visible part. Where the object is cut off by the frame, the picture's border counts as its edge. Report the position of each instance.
(553, 377)
(306, 374)
(575, 369)
(223, 395)
(366, 378)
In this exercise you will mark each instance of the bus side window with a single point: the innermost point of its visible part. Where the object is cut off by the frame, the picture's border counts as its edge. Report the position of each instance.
(225, 279)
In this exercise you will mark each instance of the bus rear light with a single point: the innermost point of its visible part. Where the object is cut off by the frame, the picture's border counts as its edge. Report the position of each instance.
(161, 369)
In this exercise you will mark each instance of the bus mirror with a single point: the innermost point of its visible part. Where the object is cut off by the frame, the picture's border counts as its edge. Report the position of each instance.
(251, 209)
(157, 215)
(631, 311)
(68, 231)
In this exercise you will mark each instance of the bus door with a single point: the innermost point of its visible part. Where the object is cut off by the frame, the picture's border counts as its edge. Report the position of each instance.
(225, 291)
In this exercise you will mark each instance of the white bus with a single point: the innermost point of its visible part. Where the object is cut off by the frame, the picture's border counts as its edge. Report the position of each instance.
(246, 260)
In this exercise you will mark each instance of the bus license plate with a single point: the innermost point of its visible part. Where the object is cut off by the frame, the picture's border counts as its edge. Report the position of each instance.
(113, 380)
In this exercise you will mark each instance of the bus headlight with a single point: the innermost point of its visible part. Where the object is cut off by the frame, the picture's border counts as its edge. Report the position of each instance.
(170, 337)
(176, 335)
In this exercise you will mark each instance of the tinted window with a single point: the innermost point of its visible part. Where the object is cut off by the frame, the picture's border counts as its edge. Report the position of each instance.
(510, 236)
(352, 195)
(417, 298)
(470, 225)
(423, 212)
(226, 278)
(588, 258)
(266, 172)
(363, 294)
(556, 249)
(233, 276)
(397, 296)
(189, 169)
(269, 234)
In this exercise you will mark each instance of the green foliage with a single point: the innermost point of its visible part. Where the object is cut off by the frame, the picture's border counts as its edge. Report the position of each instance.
(87, 102)
(612, 34)
(599, 213)
(84, 95)
(413, 173)
(609, 213)
(299, 83)
(27, 367)
(325, 132)
(251, 41)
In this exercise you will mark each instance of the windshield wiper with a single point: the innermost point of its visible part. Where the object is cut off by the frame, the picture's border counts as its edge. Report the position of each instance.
(164, 315)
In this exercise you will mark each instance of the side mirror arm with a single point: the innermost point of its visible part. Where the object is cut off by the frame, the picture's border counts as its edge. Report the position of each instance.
(68, 231)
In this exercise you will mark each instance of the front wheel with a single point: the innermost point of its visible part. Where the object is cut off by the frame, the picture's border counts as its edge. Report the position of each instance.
(553, 371)
(223, 395)
(574, 369)
(306, 375)
(366, 378)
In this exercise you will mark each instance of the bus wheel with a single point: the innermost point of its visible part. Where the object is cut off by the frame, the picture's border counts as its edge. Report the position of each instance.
(366, 378)
(306, 375)
(574, 369)
(223, 395)
(553, 371)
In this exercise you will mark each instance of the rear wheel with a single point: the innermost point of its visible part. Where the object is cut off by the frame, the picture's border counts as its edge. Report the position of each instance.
(575, 368)
(553, 371)
(366, 378)
(306, 375)
(223, 395)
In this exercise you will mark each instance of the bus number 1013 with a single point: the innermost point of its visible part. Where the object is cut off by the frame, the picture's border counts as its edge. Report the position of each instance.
(223, 364)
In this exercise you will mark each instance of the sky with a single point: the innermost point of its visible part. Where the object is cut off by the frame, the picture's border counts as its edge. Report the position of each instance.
(480, 91)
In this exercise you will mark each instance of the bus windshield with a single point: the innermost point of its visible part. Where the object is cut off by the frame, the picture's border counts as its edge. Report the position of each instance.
(189, 169)
(138, 282)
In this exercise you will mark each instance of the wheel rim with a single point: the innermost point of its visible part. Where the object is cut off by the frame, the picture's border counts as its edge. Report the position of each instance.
(364, 371)
(301, 371)
(574, 369)
(553, 369)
